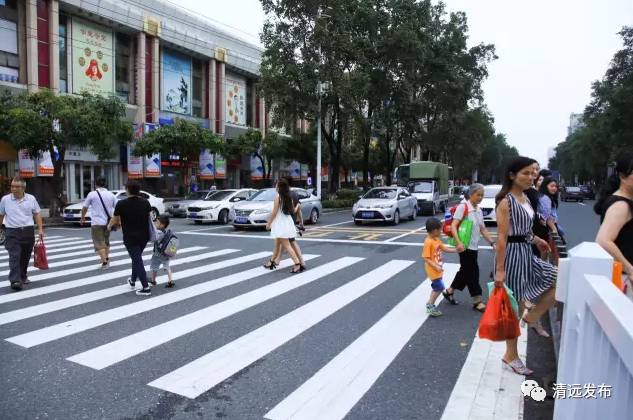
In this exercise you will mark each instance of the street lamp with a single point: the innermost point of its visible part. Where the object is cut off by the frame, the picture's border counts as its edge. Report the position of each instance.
(318, 121)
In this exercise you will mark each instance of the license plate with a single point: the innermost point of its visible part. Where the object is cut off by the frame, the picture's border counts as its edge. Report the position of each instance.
(194, 215)
(241, 220)
(367, 215)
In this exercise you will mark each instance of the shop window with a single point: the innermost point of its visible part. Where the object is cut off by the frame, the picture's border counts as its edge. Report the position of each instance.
(63, 54)
(123, 60)
(197, 87)
(9, 61)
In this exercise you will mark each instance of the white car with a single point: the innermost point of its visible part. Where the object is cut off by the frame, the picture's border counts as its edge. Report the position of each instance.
(488, 205)
(385, 204)
(218, 206)
(72, 213)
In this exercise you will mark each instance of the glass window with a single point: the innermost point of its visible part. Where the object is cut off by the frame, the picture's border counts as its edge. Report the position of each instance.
(421, 187)
(268, 194)
(9, 60)
(196, 85)
(122, 73)
(220, 195)
(491, 191)
(63, 55)
(381, 193)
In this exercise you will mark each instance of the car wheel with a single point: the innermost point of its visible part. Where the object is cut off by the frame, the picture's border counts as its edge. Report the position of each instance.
(414, 214)
(154, 214)
(396, 218)
(314, 216)
(223, 217)
(433, 210)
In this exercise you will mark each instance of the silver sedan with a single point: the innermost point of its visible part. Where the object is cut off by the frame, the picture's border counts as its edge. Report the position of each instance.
(386, 204)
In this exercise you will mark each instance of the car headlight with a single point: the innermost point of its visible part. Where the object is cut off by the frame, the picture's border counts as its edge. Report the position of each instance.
(384, 206)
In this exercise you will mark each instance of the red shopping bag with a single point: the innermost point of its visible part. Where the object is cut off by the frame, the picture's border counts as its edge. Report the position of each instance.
(39, 255)
(499, 321)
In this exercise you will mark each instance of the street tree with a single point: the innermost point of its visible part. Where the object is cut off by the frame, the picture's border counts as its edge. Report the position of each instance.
(264, 148)
(43, 122)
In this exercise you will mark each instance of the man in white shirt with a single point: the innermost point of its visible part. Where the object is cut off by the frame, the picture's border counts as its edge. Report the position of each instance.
(101, 203)
(18, 212)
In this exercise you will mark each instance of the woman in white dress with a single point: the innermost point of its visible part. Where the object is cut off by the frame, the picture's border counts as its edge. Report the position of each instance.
(282, 226)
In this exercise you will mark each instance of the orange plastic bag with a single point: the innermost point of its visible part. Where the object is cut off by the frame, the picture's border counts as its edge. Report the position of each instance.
(499, 321)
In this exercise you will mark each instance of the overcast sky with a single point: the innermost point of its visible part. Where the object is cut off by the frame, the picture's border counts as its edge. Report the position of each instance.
(549, 54)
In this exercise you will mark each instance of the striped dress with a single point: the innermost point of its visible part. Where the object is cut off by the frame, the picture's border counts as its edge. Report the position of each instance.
(526, 275)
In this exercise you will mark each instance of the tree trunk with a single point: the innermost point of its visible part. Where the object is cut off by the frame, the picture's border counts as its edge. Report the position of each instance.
(57, 185)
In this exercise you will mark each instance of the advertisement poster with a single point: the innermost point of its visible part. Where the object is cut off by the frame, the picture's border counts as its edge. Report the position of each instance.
(45, 165)
(235, 100)
(220, 167)
(206, 165)
(304, 171)
(135, 163)
(152, 163)
(295, 169)
(176, 83)
(93, 58)
(257, 171)
(26, 164)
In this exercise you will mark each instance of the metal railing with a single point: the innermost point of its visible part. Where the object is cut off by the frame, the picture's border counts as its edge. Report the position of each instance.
(596, 339)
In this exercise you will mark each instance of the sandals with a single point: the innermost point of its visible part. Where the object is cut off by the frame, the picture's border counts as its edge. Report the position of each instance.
(153, 282)
(170, 284)
(449, 298)
(271, 265)
(479, 306)
(536, 326)
(517, 367)
(298, 268)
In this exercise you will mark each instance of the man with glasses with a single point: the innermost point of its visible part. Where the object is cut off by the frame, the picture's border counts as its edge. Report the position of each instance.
(19, 212)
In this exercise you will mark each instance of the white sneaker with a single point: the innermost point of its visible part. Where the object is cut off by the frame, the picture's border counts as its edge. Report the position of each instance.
(144, 292)
(131, 283)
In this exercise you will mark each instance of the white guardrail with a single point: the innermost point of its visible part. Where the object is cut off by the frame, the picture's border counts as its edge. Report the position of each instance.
(596, 338)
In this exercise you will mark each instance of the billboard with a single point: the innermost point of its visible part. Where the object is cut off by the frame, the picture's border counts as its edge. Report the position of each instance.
(26, 164)
(45, 165)
(235, 100)
(304, 171)
(152, 163)
(257, 171)
(220, 167)
(176, 83)
(135, 163)
(206, 165)
(93, 58)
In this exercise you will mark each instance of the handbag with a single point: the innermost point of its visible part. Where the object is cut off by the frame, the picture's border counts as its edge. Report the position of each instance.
(499, 322)
(152, 229)
(105, 209)
(39, 255)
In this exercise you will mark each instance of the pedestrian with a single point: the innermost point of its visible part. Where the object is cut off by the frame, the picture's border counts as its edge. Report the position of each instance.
(163, 234)
(19, 212)
(468, 274)
(101, 203)
(133, 215)
(615, 207)
(282, 227)
(432, 256)
(524, 273)
(548, 216)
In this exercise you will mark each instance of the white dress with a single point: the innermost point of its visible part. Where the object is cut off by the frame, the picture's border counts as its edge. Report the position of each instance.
(283, 226)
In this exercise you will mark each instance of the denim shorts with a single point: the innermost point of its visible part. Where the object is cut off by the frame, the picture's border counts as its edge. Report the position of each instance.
(437, 285)
(157, 260)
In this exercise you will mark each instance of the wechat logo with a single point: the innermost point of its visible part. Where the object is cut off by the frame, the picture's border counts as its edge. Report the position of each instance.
(530, 388)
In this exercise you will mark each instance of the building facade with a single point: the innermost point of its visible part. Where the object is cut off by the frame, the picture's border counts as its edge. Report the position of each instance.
(163, 62)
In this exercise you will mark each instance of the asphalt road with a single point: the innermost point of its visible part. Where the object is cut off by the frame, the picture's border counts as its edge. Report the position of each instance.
(234, 340)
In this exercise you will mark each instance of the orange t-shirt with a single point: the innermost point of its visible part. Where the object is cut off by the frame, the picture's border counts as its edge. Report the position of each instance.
(433, 251)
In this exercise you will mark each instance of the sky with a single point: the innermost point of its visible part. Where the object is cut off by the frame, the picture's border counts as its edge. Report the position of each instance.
(549, 54)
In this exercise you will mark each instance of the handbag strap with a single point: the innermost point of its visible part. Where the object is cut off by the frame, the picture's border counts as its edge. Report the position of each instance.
(103, 204)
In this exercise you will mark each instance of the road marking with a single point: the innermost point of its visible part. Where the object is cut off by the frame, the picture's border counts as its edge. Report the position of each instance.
(132, 345)
(54, 242)
(95, 278)
(204, 373)
(70, 254)
(318, 233)
(369, 229)
(44, 308)
(209, 228)
(333, 224)
(366, 236)
(412, 232)
(52, 249)
(74, 326)
(336, 388)
(476, 394)
(582, 204)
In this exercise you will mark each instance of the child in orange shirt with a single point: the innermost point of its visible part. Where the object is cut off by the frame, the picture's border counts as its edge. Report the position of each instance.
(432, 255)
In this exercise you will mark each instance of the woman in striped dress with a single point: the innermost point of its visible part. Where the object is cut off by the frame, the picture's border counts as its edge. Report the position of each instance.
(529, 277)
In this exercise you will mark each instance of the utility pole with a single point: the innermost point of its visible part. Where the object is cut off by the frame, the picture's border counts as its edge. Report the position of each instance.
(318, 124)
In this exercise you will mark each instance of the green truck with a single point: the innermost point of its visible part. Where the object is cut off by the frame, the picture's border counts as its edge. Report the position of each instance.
(429, 182)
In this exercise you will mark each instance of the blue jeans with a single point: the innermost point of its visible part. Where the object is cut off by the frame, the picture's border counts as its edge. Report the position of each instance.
(138, 268)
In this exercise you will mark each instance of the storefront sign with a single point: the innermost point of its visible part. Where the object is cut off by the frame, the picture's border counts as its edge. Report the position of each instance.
(304, 171)
(235, 100)
(134, 163)
(257, 171)
(220, 167)
(45, 165)
(93, 58)
(26, 164)
(152, 163)
(176, 83)
(206, 165)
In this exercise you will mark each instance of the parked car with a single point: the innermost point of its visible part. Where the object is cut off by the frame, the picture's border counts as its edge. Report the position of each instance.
(385, 204)
(488, 204)
(217, 206)
(571, 193)
(588, 192)
(72, 213)
(256, 211)
(179, 208)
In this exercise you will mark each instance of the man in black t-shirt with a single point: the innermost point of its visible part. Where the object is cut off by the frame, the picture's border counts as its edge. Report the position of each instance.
(133, 215)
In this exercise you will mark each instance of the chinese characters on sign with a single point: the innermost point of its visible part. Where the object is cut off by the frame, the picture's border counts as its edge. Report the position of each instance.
(92, 48)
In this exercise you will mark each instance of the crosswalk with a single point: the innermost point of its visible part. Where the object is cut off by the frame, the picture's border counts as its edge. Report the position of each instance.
(75, 298)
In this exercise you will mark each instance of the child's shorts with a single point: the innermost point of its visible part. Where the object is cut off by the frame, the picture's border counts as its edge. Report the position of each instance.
(157, 260)
(437, 285)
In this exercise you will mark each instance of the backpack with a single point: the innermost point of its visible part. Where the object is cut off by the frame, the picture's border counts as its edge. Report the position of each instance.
(169, 244)
(448, 219)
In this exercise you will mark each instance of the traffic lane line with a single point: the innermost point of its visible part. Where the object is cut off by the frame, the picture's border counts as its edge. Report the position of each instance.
(333, 224)
(412, 232)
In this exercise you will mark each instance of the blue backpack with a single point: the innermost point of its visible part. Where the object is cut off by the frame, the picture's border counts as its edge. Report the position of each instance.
(169, 244)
